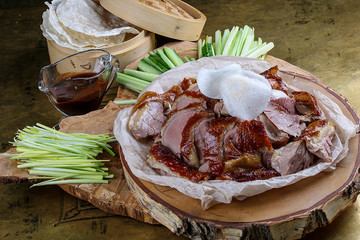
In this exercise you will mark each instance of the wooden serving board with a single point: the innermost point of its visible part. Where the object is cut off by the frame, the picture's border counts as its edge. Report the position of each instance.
(285, 213)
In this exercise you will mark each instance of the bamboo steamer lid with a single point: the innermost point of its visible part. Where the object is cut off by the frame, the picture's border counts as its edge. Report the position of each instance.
(170, 18)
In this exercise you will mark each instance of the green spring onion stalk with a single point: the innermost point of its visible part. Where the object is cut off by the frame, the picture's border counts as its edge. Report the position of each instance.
(235, 42)
(147, 76)
(229, 44)
(131, 82)
(217, 44)
(200, 44)
(126, 102)
(248, 42)
(62, 158)
(224, 39)
(149, 68)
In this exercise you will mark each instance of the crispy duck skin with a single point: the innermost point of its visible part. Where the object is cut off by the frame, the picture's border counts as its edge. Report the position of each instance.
(190, 96)
(187, 147)
(245, 175)
(147, 120)
(213, 141)
(249, 144)
(160, 157)
(306, 104)
(283, 116)
(277, 137)
(149, 111)
(274, 79)
(174, 127)
(318, 137)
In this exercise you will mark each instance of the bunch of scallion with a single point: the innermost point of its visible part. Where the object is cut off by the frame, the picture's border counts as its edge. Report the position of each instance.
(235, 42)
(61, 158)
(150, 67)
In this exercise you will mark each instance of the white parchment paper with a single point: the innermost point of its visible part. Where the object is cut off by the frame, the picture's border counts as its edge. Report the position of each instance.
(216, 191)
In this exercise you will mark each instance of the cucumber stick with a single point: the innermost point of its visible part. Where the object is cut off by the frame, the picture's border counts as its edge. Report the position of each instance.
(173, 56)
(147, 76)
(163, 56)
(234, 42)
(150, 67)
(147, 67)
(158, 64)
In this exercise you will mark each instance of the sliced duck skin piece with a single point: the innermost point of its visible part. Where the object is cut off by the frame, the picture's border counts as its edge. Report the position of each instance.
(292, 158)
(161, 158)
(149, 111)
(220, 109)
(245, 175)
(275, 80)
(318, 137)
(147, 121)
(283, 120)
(172, 129)
(306, 104)
(167, 98)
(191, 95)
(285, 104)
(188, 148)
(244, 161)
(277, 137)
(213, 143)
(251, 137)
(199, 139)
(187, 82)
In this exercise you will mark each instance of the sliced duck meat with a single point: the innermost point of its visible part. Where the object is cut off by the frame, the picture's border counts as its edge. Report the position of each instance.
(187, 82)
(220, 109)
(306, 104)
(199, 139)
(292, 158)
(149, 113)
(172, 129)
(251, 160)
(147, 120)
(250, 137)
(318, 137)
(187, 147)
(277, 137)
(245, 175)
(190, 96)
(285, 103)
(283, 117)
(274, 79)
(162, 159)
(213, 138)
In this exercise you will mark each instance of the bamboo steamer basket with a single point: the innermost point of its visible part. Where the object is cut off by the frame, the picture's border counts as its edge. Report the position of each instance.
(127, 52)
(170, 18)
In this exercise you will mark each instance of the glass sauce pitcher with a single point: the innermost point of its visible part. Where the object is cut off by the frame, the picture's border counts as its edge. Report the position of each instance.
(77, 84)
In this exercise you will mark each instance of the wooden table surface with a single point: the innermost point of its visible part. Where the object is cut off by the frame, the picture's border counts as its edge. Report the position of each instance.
(322, 37)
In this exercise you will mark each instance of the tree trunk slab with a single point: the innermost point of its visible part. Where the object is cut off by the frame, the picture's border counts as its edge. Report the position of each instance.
(285, 213)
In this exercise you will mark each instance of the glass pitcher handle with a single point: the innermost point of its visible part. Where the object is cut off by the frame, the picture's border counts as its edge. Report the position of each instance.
(112, 71)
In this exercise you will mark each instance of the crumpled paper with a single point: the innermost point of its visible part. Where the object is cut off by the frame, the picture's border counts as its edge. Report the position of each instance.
(216, 191)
